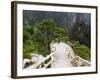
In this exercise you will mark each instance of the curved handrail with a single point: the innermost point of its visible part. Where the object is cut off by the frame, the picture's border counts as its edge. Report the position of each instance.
(80, 61)
(36, 65)
(74, 59)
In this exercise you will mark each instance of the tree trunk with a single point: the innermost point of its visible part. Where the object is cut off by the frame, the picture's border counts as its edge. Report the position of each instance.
(48, 42)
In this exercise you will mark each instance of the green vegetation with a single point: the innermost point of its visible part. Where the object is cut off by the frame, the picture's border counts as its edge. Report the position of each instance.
(37, 38)
(82, 50)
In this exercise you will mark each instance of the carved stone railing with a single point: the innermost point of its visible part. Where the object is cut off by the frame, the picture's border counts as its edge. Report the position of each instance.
(77, 60)
(42, 62)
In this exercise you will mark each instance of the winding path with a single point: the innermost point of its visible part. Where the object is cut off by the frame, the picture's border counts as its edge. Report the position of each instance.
(62, 56)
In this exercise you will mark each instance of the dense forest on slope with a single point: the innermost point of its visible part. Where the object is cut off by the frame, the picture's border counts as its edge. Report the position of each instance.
(42, 27)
